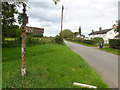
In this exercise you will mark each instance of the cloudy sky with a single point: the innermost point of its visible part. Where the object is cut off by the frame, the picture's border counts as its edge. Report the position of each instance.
(89, 14)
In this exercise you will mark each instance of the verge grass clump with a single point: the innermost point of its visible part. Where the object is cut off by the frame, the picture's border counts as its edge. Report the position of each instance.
(48, 66)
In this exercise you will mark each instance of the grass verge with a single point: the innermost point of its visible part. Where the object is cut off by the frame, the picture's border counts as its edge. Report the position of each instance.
(48, 66)
(114, 51)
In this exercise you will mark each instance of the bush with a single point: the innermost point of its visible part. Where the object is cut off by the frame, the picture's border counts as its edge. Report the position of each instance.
(98, 40)
(89, 42)
(78, 39)
(11, 44)
(30, 41)
(38, 35)
(59, 40)
(114, 43)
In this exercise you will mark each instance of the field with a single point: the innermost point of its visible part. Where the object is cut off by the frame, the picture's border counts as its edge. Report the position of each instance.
(48, 66)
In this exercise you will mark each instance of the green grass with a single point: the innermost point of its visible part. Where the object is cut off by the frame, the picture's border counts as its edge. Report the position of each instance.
(83, 44)
(114, 51)
(10, 39)
(48, 66)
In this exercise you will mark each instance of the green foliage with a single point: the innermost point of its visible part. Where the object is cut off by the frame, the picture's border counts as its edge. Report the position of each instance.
(79, 30)
(30, 41)
(78, 39)
(76, 33)
(98, 40)
(59, 40)
(8, 12)
(89, 42)
(12, 44)
(67, 33)
(48, 66)
(11, 31)
(118, 27)
(56, 1)
(38, 35)
(114, 43)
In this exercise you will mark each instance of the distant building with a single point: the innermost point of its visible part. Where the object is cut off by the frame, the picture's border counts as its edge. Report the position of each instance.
(106, 34)
(34, 30)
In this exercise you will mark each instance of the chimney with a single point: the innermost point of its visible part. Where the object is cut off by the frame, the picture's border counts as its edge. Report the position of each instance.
(114, 26)
(92, 30)
(100, 28)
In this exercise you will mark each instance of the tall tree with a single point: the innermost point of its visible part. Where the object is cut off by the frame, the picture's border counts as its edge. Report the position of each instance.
(9, 12)
(118, 27)
(79, 30)
(56, 1)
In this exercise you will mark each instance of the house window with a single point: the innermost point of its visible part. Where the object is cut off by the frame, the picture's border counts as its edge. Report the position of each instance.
(110, 32)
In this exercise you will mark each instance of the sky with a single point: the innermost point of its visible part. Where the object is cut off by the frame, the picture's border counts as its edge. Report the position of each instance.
(89, 14)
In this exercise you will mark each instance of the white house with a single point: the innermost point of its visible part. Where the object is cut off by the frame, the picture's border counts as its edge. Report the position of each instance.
(105, 34)
(81, 36)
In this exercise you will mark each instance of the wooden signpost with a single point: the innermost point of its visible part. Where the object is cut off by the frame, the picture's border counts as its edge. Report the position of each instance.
(24, 22)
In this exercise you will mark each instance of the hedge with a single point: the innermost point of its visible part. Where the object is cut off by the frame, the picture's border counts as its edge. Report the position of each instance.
(114, 43)
(89, 42)
(98, 40)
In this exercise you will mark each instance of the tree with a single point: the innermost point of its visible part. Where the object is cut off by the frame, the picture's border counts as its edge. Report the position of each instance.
(79, 30)
(67, 33)
(9, 10)
(118, 27)
(76, 33)
(56, 1)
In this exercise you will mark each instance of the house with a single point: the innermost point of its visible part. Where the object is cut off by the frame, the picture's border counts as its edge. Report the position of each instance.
(80, 36)
(106, 34)
(34, 30)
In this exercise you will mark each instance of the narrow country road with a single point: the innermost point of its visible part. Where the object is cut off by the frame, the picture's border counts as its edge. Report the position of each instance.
(106, 64)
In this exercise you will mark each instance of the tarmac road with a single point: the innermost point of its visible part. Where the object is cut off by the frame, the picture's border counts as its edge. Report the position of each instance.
(106, 64)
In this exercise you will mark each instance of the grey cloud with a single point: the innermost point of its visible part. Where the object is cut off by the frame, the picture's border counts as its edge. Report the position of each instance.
(44, 5)
(91, 14)
(43, 14)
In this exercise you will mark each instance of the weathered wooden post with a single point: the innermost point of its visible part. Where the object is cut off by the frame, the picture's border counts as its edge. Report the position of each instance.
(24, 21)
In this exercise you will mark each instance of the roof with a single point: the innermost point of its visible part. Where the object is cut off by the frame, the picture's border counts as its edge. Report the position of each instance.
(100, 32)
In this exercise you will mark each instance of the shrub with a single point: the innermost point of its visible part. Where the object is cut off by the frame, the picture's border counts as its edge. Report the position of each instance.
(98, 40)
(89, 42)
(59, 40)
(78, 39)
(114, 43)
(38, 35)
(11, 44)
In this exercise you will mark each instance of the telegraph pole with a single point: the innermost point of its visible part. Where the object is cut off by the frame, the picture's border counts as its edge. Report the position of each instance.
(62, 20)
(24, 21)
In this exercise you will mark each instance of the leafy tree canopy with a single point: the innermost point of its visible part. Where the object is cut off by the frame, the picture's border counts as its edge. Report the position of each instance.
(79, 30)
(118, 27)
(67, 33)
(9, 12)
